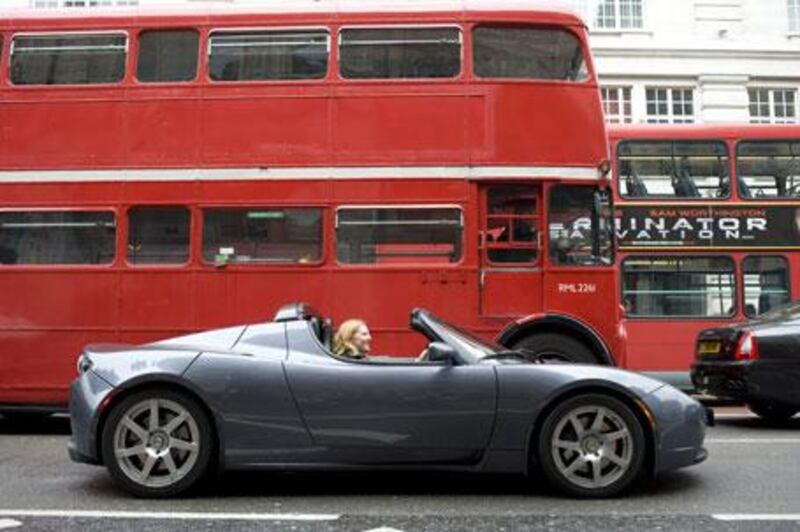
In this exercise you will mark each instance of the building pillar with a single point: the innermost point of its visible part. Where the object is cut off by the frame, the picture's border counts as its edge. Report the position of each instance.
(722, 98)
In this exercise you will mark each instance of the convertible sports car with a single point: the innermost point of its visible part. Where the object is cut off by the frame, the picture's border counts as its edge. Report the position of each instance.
(163, 415)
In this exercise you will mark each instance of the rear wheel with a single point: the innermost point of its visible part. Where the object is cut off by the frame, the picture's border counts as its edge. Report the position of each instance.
(772, 413)
(551, 346)
(591, 445)
(157, 443)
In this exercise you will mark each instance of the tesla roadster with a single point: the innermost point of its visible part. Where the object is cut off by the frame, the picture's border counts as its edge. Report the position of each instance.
(164, 415)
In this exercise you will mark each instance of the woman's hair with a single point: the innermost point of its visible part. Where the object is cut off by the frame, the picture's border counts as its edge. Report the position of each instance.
(343, 340)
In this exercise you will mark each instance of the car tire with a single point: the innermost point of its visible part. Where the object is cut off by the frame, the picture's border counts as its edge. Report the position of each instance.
(161, 454)
(772, 413)
(550, 346)
(601, 456)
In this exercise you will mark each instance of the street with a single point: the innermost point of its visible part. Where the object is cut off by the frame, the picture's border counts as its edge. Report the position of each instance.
(749, 482)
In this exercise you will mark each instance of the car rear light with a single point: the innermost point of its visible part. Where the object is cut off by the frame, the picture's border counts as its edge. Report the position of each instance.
(747, 348)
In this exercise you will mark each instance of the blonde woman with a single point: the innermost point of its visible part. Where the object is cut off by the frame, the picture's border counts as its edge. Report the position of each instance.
(352, 339)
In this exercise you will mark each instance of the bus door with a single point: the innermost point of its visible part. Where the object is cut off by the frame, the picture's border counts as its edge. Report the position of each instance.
(510, 237)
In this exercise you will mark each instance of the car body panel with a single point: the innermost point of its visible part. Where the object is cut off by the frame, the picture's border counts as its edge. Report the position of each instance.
(279, 398)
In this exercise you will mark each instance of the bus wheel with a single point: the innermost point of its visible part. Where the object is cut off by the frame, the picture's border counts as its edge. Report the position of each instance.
(157, 443)
(551, 346)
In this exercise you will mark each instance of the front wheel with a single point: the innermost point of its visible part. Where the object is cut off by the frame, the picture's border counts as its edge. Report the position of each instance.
(591, 445)
(157, 443)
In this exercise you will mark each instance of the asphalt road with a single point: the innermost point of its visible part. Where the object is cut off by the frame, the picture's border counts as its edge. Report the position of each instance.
(749, 482)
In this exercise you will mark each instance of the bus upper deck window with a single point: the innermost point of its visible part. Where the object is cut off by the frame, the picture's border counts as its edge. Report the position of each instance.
(383, 53)
(269, 55)
(167, 56)
(528, 53)
(76, 59)
(693, 169)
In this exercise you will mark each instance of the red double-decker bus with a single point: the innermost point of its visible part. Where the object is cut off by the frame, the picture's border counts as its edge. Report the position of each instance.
(708, 230)
(165, 172)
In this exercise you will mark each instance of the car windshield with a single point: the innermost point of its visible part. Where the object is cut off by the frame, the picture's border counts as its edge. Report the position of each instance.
(471, 347)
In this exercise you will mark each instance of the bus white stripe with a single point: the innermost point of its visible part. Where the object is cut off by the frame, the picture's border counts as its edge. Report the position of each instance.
(299, 173)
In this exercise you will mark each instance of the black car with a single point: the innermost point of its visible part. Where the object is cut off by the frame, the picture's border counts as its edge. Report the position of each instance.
(757, 362)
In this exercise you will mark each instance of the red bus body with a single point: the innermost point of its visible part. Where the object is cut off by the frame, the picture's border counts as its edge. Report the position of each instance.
(327, 144)
(746, 223)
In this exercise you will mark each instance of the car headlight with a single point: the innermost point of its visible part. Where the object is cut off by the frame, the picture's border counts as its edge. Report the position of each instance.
(84, 364)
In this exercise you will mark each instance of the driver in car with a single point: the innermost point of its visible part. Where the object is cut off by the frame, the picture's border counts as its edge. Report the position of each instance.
(352, 339)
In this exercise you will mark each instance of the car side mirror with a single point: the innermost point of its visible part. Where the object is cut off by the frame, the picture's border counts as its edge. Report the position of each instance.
(442, 352)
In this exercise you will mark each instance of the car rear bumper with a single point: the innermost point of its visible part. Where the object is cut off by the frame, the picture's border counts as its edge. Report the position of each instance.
(724, 380)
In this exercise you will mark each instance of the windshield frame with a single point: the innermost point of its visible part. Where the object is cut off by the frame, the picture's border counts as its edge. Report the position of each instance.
(471, 348)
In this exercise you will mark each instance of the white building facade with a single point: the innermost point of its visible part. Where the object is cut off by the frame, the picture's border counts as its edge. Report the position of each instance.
(678, 61)
(667, 61)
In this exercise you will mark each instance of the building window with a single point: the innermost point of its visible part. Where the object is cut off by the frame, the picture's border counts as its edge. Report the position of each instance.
(618, 14)
(52, 4)
(773, 106)
(794, 15)
(617, 104)
(670, 105)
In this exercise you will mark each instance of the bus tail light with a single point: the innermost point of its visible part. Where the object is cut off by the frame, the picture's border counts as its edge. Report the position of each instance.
(747, 348)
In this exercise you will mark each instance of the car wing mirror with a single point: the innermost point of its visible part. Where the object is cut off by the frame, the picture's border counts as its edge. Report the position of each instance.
(442, 352)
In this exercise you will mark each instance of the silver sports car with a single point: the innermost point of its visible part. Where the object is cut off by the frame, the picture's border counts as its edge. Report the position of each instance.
(162, 416)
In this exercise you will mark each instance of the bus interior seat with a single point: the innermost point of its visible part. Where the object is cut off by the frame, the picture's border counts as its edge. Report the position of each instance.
(682, 182)
(743, 188)
(635, 185)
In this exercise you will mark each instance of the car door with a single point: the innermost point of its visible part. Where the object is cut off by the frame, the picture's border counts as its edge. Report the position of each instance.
(383, 412)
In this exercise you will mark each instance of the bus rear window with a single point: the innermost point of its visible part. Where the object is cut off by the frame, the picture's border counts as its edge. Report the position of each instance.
(167, 56)
(673, 169)
(382, 53)
(269, 55)
(68, 59)
(528, 53)
(399, 235)
(57, 237)
(262, 235)
(661, 287)
(768, 169)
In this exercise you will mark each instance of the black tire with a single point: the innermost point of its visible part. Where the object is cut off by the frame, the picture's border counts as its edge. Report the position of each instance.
(190, 464)
(556, 346)
(556, 461)
(772, 413)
